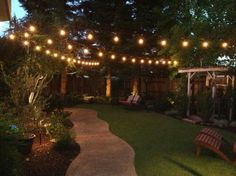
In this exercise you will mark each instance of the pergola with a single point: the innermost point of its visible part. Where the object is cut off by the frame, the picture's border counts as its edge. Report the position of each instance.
(211, 73)
(5, 10)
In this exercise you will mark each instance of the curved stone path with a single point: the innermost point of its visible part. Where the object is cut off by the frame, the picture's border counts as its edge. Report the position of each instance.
(102, 153)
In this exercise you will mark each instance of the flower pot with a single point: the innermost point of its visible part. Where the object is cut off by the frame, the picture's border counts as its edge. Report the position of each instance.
(25, 144)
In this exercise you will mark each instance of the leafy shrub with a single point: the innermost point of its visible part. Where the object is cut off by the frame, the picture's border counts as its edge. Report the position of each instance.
(56, 128)
(10, 159)
(164, 102)
(204, 105)
(60, 133)
(65, 141)
(181, 98)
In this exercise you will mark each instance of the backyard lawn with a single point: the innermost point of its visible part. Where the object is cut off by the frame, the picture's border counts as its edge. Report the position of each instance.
(163, 145)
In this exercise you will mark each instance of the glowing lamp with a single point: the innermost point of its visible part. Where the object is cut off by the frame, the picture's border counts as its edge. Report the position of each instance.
(49, 41)
(185, 43)
(133, 60)
(113, 56)
(163, 42)
(12, 36)
(116, 39)
(224, 45)
(26, 35)
(90, 36)
(141, 41)
(32, 28)
(38, 48)
(205, 44)
(62, 32)
(69, 47)
(100, 54)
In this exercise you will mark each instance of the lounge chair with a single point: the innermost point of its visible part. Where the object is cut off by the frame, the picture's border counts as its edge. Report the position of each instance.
(211, 139)
(203, 140)
(128, 101)
(131, 100)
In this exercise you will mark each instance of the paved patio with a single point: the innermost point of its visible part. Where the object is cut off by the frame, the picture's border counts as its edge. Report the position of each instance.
(102, 153)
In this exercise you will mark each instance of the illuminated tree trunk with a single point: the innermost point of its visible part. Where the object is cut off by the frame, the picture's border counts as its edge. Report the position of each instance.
(135, 86)
(63, 82)
(108, 84)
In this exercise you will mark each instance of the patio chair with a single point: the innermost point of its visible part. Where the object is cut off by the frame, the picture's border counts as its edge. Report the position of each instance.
(214, 133)
(128, 101)
(212, 139)
(132, 100)
(203, 140)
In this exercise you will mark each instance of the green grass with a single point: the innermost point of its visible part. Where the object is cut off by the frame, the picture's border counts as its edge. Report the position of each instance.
(163, 145)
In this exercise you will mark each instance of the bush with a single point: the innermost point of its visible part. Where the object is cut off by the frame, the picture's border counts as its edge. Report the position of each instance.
(181, 98)
(204, 105)
(10, 158)
(60, 133)
(65, 141)
(164, 102)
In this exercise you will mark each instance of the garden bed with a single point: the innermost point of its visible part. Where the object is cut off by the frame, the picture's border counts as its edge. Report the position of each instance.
(45, 160)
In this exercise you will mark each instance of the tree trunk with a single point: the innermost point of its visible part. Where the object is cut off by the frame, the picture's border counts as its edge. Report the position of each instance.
(63, 82)
(108, 84)
(135, 86)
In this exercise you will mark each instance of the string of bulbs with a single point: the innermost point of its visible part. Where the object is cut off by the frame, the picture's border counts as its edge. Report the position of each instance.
(100, 54)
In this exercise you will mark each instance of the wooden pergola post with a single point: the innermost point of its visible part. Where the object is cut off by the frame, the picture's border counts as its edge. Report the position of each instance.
(191, 72)
(189, 93)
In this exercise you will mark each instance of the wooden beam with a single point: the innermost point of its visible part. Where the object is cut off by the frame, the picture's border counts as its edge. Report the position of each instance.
(208, 69)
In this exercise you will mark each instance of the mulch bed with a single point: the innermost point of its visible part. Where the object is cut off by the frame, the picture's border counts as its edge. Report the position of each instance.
(45, 160)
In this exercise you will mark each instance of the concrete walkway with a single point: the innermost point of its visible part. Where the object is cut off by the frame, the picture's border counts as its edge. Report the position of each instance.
(102, 153)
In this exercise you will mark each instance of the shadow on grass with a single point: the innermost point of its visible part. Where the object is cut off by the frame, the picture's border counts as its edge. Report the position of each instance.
(184, 167)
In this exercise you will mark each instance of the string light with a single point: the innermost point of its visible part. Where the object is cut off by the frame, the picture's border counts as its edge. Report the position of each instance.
(124, 58)
(32, 28)
(185, 43)
(205, 44)
(38, 48)
(224, 45)
(113, 56)
(68, 59)
(140, 41)
(26, 35)
(49, 41)
(175, 63)
(90, 36)
(26, 43)
(86, 51)
(100, 54)
(12, 37)
(62, 32)
(55, 55)
(47, 52)
(69, 47)
(116, 39)
(163, 42)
